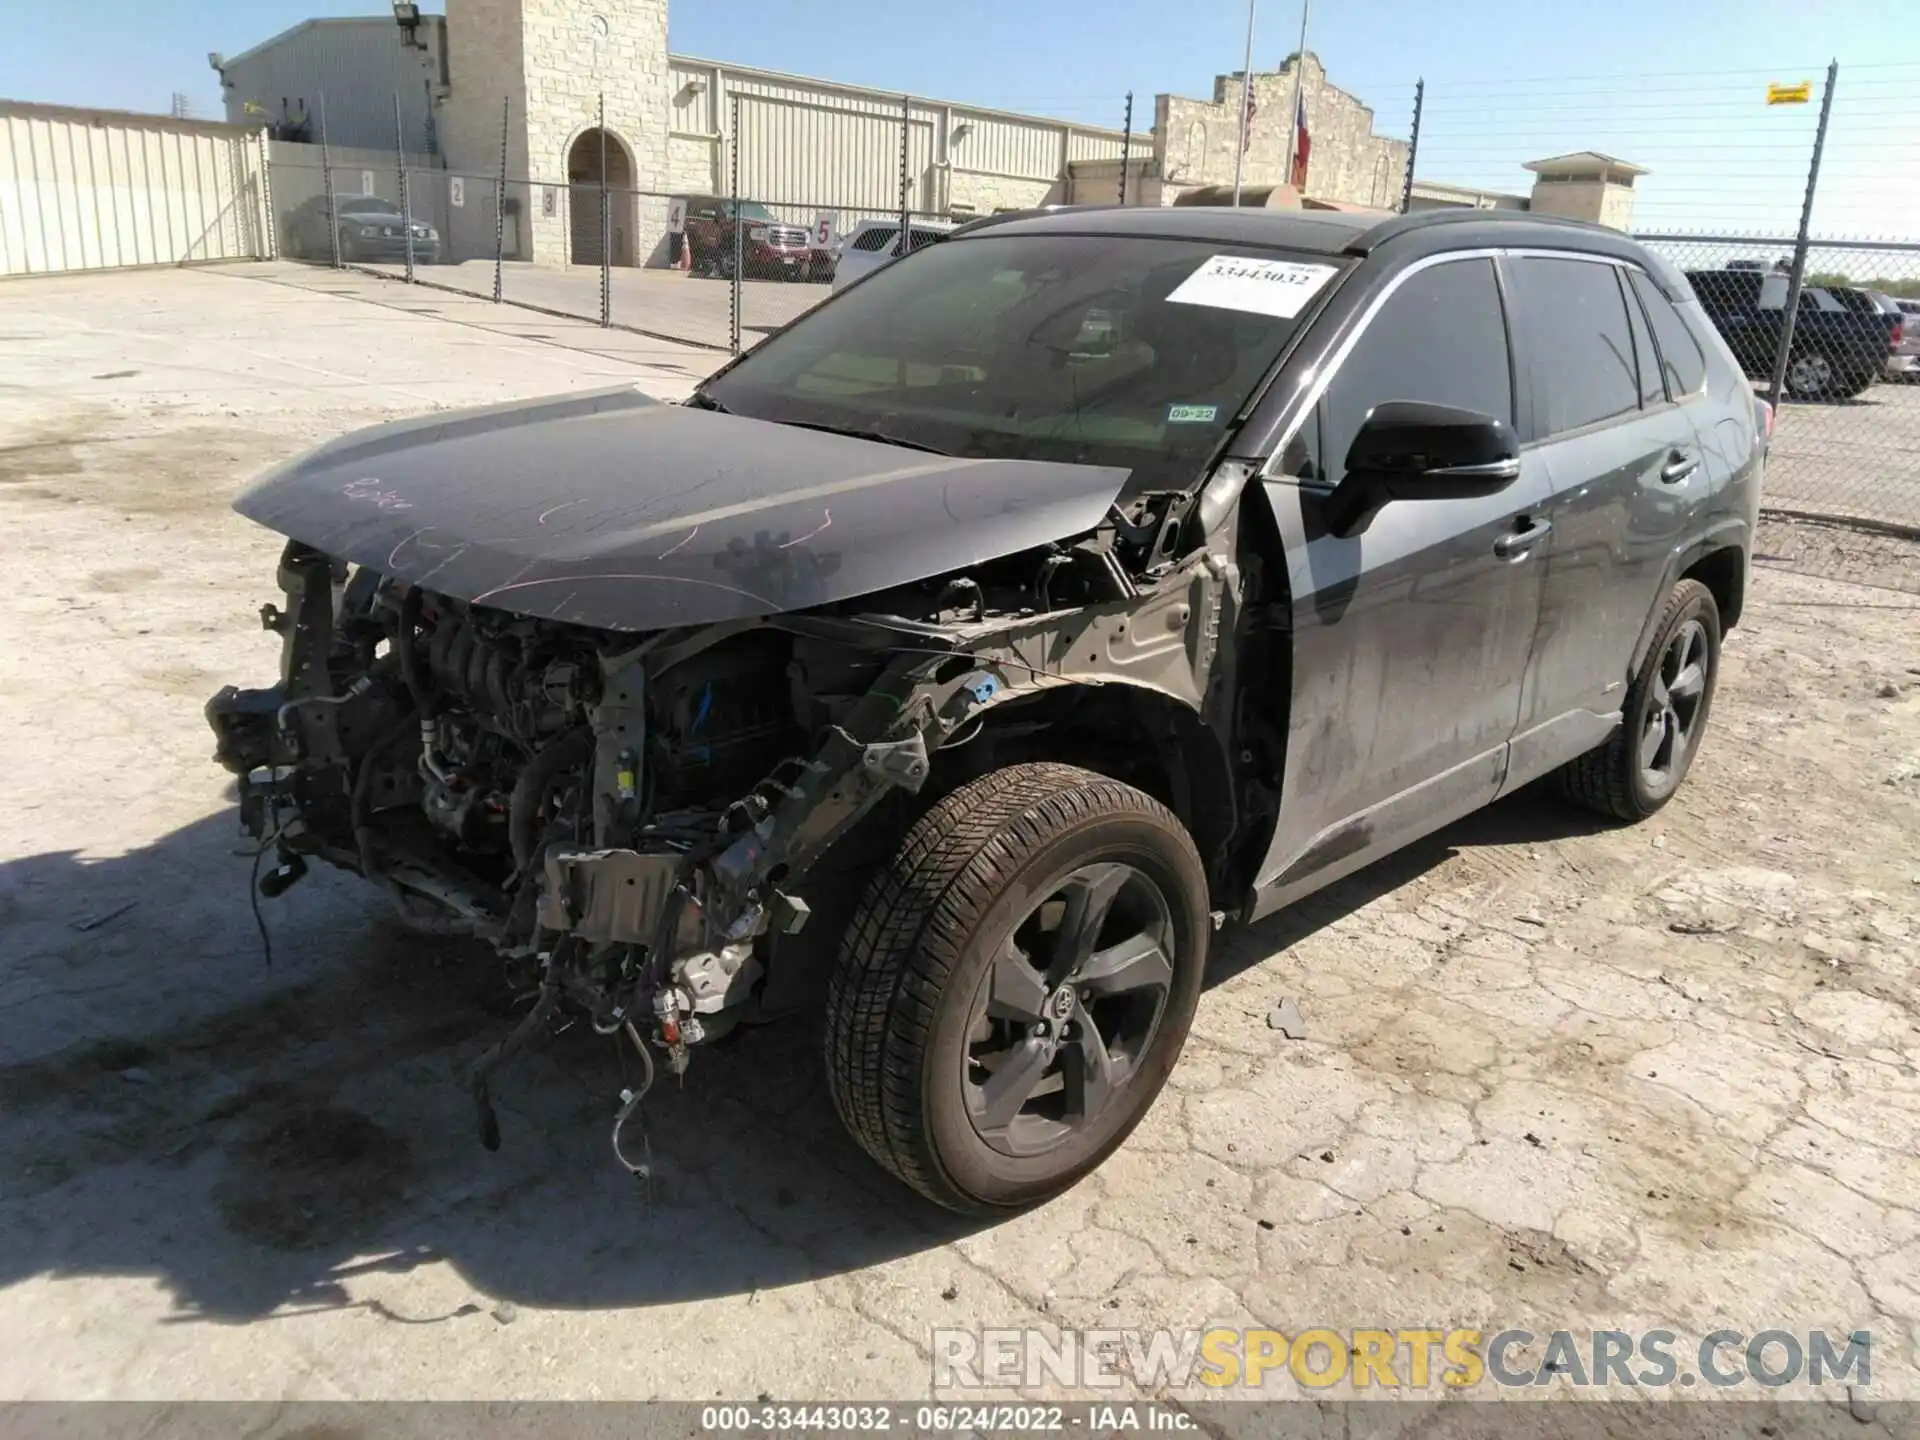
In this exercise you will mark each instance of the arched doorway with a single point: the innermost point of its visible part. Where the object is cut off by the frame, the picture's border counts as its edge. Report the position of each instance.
(583, 176)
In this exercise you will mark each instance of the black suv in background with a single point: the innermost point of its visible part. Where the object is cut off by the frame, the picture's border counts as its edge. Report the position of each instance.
(1011, 621)
(1842, 339)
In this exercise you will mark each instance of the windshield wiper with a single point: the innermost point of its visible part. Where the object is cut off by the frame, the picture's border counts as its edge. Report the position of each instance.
(874, 435)
(700, 400)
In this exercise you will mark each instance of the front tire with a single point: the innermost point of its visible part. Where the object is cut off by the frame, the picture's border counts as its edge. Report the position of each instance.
(1640, 767)
(1016, 984)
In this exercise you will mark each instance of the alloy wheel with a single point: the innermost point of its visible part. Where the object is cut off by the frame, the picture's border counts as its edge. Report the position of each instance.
(1674, 707)
(1069, 1008)
(1810, 375)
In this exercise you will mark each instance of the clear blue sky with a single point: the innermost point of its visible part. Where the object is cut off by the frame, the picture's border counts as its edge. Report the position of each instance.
(1671, 84)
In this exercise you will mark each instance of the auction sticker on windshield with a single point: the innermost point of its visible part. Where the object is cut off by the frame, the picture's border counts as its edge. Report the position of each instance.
(1264, 287)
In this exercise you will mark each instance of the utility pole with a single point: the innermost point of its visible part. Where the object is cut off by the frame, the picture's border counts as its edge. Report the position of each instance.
(500, 205)
(1293, 115)
(1800, 244)
(1413, 146)
(1246, 100)
(906, 149)
(606, 227)
(326, 179)
(406, 199)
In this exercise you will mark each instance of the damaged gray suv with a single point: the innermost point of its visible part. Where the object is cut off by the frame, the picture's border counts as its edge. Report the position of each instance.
(956, 664)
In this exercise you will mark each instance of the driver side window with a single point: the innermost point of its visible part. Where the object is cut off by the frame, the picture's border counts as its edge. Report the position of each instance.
(1440, 338)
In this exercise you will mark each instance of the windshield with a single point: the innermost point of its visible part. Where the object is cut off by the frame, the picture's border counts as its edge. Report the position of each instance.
(1100, 350)
(750, 210)
(368, 206)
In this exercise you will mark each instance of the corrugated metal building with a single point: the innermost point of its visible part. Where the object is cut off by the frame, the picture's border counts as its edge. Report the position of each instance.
(809, 143)
(351, 68)
(103, 189)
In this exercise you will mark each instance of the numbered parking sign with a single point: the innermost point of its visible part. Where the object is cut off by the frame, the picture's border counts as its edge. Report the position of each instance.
(823, 231)
(457, 192)
(366, 182)
(549, 200)
(676, 217)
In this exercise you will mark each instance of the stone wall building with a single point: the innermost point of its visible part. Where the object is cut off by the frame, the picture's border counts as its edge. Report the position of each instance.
(1195, 141)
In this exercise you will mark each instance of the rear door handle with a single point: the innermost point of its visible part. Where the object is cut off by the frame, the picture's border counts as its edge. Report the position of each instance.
(1518, 542)
(1678, 467)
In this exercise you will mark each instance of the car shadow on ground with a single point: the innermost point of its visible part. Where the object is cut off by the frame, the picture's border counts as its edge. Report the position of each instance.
(1530, 815)
(255, 1140)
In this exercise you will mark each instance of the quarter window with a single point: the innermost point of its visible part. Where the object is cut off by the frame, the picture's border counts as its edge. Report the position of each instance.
(1440, 338)
(1681, 358)
(1652, 390)
(1572, 324)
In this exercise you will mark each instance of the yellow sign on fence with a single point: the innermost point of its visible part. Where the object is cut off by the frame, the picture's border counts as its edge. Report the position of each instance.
(1790, 94)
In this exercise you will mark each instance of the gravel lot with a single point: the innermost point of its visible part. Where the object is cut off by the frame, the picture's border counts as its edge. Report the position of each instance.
(666, 302)
(1858, 457)
(1555, 1076)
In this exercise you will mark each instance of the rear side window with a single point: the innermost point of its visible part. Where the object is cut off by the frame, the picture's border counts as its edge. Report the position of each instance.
(1571, 322)
(1681, 360)
(1440, 338)
(1652, 390)
(878, 238)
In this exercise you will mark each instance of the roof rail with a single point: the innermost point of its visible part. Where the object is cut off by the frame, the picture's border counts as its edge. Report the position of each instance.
(1367, 240)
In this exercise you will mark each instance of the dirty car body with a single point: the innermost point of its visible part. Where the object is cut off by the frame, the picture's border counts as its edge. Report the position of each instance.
(648, 695)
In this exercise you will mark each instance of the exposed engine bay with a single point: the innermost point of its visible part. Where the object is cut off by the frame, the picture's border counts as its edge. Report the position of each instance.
(630, 818)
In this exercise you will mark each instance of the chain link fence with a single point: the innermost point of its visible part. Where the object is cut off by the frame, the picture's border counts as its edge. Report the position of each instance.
(711, 266)
(1844, 370)
(1747, 180)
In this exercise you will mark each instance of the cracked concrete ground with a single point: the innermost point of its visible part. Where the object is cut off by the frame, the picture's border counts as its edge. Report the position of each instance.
(1555, 1075)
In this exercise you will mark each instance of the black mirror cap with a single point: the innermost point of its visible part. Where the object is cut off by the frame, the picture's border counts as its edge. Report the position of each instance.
(1412, 450)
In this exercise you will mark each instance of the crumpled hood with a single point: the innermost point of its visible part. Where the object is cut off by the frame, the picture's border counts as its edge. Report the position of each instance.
(612, 510)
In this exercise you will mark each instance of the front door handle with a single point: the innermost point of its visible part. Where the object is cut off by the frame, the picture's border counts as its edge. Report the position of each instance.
(1678, 467)
(1519, 542)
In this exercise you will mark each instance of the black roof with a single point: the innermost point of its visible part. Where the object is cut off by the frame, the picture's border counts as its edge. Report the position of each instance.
(1326, 231)
(1335, 232)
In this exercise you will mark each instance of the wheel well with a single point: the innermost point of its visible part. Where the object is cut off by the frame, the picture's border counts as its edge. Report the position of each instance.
(1724, 572)
(1138, 736)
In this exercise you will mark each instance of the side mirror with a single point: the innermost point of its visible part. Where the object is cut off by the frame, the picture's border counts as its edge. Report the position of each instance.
(1409, 450)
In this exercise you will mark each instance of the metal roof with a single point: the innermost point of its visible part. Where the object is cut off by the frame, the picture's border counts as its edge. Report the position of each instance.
(1582, 162)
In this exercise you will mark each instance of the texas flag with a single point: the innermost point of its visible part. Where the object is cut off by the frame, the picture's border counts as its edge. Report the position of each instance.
(1302, 146)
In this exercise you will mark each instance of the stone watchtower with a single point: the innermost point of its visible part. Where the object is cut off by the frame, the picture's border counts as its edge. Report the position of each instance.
(554, 60)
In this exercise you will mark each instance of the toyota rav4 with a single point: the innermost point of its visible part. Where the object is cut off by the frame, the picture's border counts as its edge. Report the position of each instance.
(968, 654)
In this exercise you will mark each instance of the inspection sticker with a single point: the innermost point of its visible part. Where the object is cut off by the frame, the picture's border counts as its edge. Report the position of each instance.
(1263, 287)
(1192, 414)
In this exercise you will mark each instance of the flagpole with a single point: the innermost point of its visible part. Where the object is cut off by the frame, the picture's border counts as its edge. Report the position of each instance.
(1246, 99)
(1293, 114)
